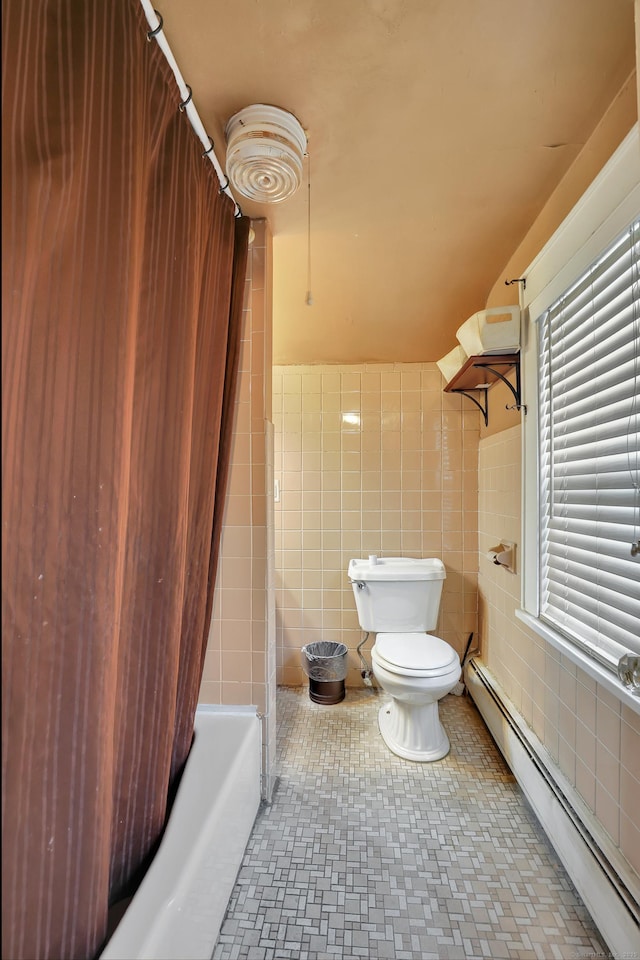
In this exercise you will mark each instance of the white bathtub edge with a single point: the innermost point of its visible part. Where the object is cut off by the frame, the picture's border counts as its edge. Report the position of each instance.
(178, 909)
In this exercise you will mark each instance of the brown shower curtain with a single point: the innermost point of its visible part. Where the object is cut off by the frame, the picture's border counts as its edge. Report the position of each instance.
(122, 301)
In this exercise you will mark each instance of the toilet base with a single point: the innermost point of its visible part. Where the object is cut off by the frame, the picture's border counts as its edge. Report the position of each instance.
(413, 732)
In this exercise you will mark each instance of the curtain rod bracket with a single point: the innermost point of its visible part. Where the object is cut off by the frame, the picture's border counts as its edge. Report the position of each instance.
(521, 280)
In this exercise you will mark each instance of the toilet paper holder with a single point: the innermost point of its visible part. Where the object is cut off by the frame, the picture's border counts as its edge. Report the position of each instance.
(503, 555)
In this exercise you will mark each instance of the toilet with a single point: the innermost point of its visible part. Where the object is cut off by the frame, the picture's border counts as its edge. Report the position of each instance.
(398, 599)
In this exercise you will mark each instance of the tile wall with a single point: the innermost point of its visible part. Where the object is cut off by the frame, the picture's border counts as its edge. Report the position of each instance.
(587, 732)
(240, 659)
(371, 459)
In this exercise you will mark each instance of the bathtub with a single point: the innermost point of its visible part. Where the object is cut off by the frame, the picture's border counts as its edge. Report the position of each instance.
(178, 909)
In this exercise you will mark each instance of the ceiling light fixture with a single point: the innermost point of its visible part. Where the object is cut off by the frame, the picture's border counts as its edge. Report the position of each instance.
(265, 150)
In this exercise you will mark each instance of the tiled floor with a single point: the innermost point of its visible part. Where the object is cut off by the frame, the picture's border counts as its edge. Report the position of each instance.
(362, 854)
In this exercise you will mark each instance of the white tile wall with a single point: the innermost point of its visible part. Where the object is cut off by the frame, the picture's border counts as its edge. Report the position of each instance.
(371, 458)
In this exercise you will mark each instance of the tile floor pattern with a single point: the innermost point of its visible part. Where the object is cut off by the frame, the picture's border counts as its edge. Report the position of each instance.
(362, 854)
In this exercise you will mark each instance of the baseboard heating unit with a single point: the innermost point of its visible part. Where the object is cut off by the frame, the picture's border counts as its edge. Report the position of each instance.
(607, 885)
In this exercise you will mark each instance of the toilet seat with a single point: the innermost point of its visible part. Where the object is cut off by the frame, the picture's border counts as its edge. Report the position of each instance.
(415, 654)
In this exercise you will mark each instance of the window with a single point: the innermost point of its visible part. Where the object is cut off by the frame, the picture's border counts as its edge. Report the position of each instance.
(589, 456)
(581, 457)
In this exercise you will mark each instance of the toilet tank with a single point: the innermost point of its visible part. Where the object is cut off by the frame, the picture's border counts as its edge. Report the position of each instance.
(397, 594)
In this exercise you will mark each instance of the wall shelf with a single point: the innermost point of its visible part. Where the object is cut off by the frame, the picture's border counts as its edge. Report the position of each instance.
(480, 373)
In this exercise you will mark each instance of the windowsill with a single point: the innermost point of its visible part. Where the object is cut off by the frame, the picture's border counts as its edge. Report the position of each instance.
(591, 667)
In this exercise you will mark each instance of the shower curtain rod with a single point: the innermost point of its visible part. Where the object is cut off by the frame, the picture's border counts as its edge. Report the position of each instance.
(155, 21)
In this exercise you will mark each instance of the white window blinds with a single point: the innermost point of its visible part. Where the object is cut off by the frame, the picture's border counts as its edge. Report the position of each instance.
(589, 343)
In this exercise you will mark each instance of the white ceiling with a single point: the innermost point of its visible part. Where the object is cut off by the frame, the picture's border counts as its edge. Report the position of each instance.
(437, 129)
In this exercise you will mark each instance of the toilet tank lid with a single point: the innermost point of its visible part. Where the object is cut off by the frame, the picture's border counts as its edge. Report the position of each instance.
(397, 568)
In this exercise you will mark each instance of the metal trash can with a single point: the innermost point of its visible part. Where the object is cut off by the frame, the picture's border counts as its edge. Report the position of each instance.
(325, 663)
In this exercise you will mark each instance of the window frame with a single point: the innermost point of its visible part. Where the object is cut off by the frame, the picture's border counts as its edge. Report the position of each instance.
(608, 207)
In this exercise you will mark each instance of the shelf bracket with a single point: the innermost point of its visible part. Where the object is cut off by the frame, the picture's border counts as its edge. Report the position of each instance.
(514, 390)
(470, 382)
(484, 410)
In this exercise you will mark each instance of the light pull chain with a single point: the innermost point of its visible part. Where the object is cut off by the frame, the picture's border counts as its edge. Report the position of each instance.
(309, 297)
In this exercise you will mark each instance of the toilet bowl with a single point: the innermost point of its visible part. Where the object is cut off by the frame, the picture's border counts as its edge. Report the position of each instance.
(398, 599)
(416, 670)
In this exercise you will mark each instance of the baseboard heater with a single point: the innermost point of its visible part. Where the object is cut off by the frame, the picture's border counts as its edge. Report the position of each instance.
(607, 888)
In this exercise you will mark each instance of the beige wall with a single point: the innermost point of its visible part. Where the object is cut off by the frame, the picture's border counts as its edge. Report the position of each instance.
(240, 659)
(637, 22)
(403, 481)
(591, 737)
